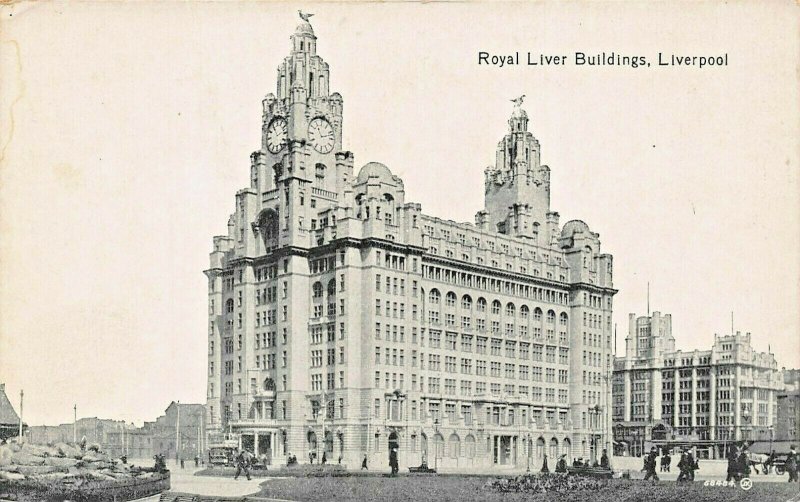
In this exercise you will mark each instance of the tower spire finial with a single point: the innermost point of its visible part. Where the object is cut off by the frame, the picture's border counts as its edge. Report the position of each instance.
(304, 16)
(518, 101)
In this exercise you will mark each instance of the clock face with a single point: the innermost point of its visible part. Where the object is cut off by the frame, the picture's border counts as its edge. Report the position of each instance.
(320, 135)
(277, 135)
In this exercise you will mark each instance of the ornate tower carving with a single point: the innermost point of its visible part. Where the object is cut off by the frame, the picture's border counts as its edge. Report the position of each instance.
(517, 196)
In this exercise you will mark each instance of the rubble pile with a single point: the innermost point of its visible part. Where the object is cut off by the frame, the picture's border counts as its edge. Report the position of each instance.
(67, 463)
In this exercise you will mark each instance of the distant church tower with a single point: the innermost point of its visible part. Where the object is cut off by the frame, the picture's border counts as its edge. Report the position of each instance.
(517, 188)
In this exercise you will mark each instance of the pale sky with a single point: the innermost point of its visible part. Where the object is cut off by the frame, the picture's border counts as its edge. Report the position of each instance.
(127, 129)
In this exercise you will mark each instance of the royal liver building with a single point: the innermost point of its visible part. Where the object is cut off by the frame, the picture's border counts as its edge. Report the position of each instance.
(342, 319)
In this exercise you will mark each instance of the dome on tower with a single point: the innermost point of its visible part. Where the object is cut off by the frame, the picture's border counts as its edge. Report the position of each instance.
(573, 227)
(304, 28)
(519, 113)
(374, 169)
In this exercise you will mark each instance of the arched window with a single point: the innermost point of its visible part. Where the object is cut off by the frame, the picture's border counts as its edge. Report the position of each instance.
(563, 319)
(537, 314)
(551, 317)
(438, 444)
(510, 310)
(332, 287)
(466, 302)
(319, 171)
(540, 448)
(566, 447)
(317, 289)
(481, 304)
(229, 306)
(268, 226)
(435, 297)
(469, 446)
(455, 445)
(553, 448)
(277, 172)
(523, 312)
(496, 307)
(587, 257)
(450, 299)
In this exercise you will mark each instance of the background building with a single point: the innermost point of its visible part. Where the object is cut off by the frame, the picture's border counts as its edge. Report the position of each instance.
(663, 396)
(343, 319)
(9, 420)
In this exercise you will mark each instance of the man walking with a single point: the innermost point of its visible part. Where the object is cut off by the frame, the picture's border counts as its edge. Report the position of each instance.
(687, 466)
(393, 461)
(650, 465)
(732, 465)
(604, 463)
(666, 461)
(791, 464)
(243, 464)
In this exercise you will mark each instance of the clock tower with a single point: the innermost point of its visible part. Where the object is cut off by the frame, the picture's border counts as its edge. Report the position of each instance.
(301, 145)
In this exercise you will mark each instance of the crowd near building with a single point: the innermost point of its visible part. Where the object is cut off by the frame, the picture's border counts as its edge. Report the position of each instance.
(345, 321)
(665, 397)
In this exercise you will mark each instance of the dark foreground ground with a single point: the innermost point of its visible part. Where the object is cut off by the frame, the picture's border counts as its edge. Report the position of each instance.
(466, 489)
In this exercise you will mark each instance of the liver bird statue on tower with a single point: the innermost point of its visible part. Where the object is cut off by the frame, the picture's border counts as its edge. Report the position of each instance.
(304, 16)
(518, 101)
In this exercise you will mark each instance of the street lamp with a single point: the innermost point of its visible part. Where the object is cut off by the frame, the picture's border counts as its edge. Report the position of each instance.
(435, 444)
(402, 399)
(528, 451)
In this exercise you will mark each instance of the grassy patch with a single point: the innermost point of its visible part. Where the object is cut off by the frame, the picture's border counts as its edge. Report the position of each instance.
(464, 489)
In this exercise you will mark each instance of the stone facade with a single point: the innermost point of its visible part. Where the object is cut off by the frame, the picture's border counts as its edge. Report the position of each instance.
(706, 398)
(343, 319)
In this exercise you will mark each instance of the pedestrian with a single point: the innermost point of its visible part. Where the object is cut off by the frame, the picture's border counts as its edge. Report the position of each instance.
(769, 462)
(695, 466)
(196, 461)
(544, 464)
(685, 465)
(666, 461)
(732, 464)
(182, 465)
(324, 457)
(393, 461)
(561, 465)
(604, 463)
(243, 464)
(364, 463)
(650, 465)
(340, 460)
(743, 463)
(310, 456)
(791, 464)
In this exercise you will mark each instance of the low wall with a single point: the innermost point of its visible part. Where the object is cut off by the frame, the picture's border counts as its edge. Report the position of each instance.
(95, 491)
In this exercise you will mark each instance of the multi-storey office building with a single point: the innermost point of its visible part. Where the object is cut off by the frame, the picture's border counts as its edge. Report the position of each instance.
(699, 398)
(343, 318)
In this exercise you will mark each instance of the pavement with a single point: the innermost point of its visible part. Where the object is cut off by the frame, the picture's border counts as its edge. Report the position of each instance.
(712, 470)
(184, 481)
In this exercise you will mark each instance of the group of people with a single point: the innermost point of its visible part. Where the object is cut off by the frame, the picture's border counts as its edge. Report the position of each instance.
(687, 465)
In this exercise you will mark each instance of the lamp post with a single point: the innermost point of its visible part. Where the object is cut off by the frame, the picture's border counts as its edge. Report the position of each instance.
(402, 399)
(435, 444)
(771, 437)
(528, 451)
